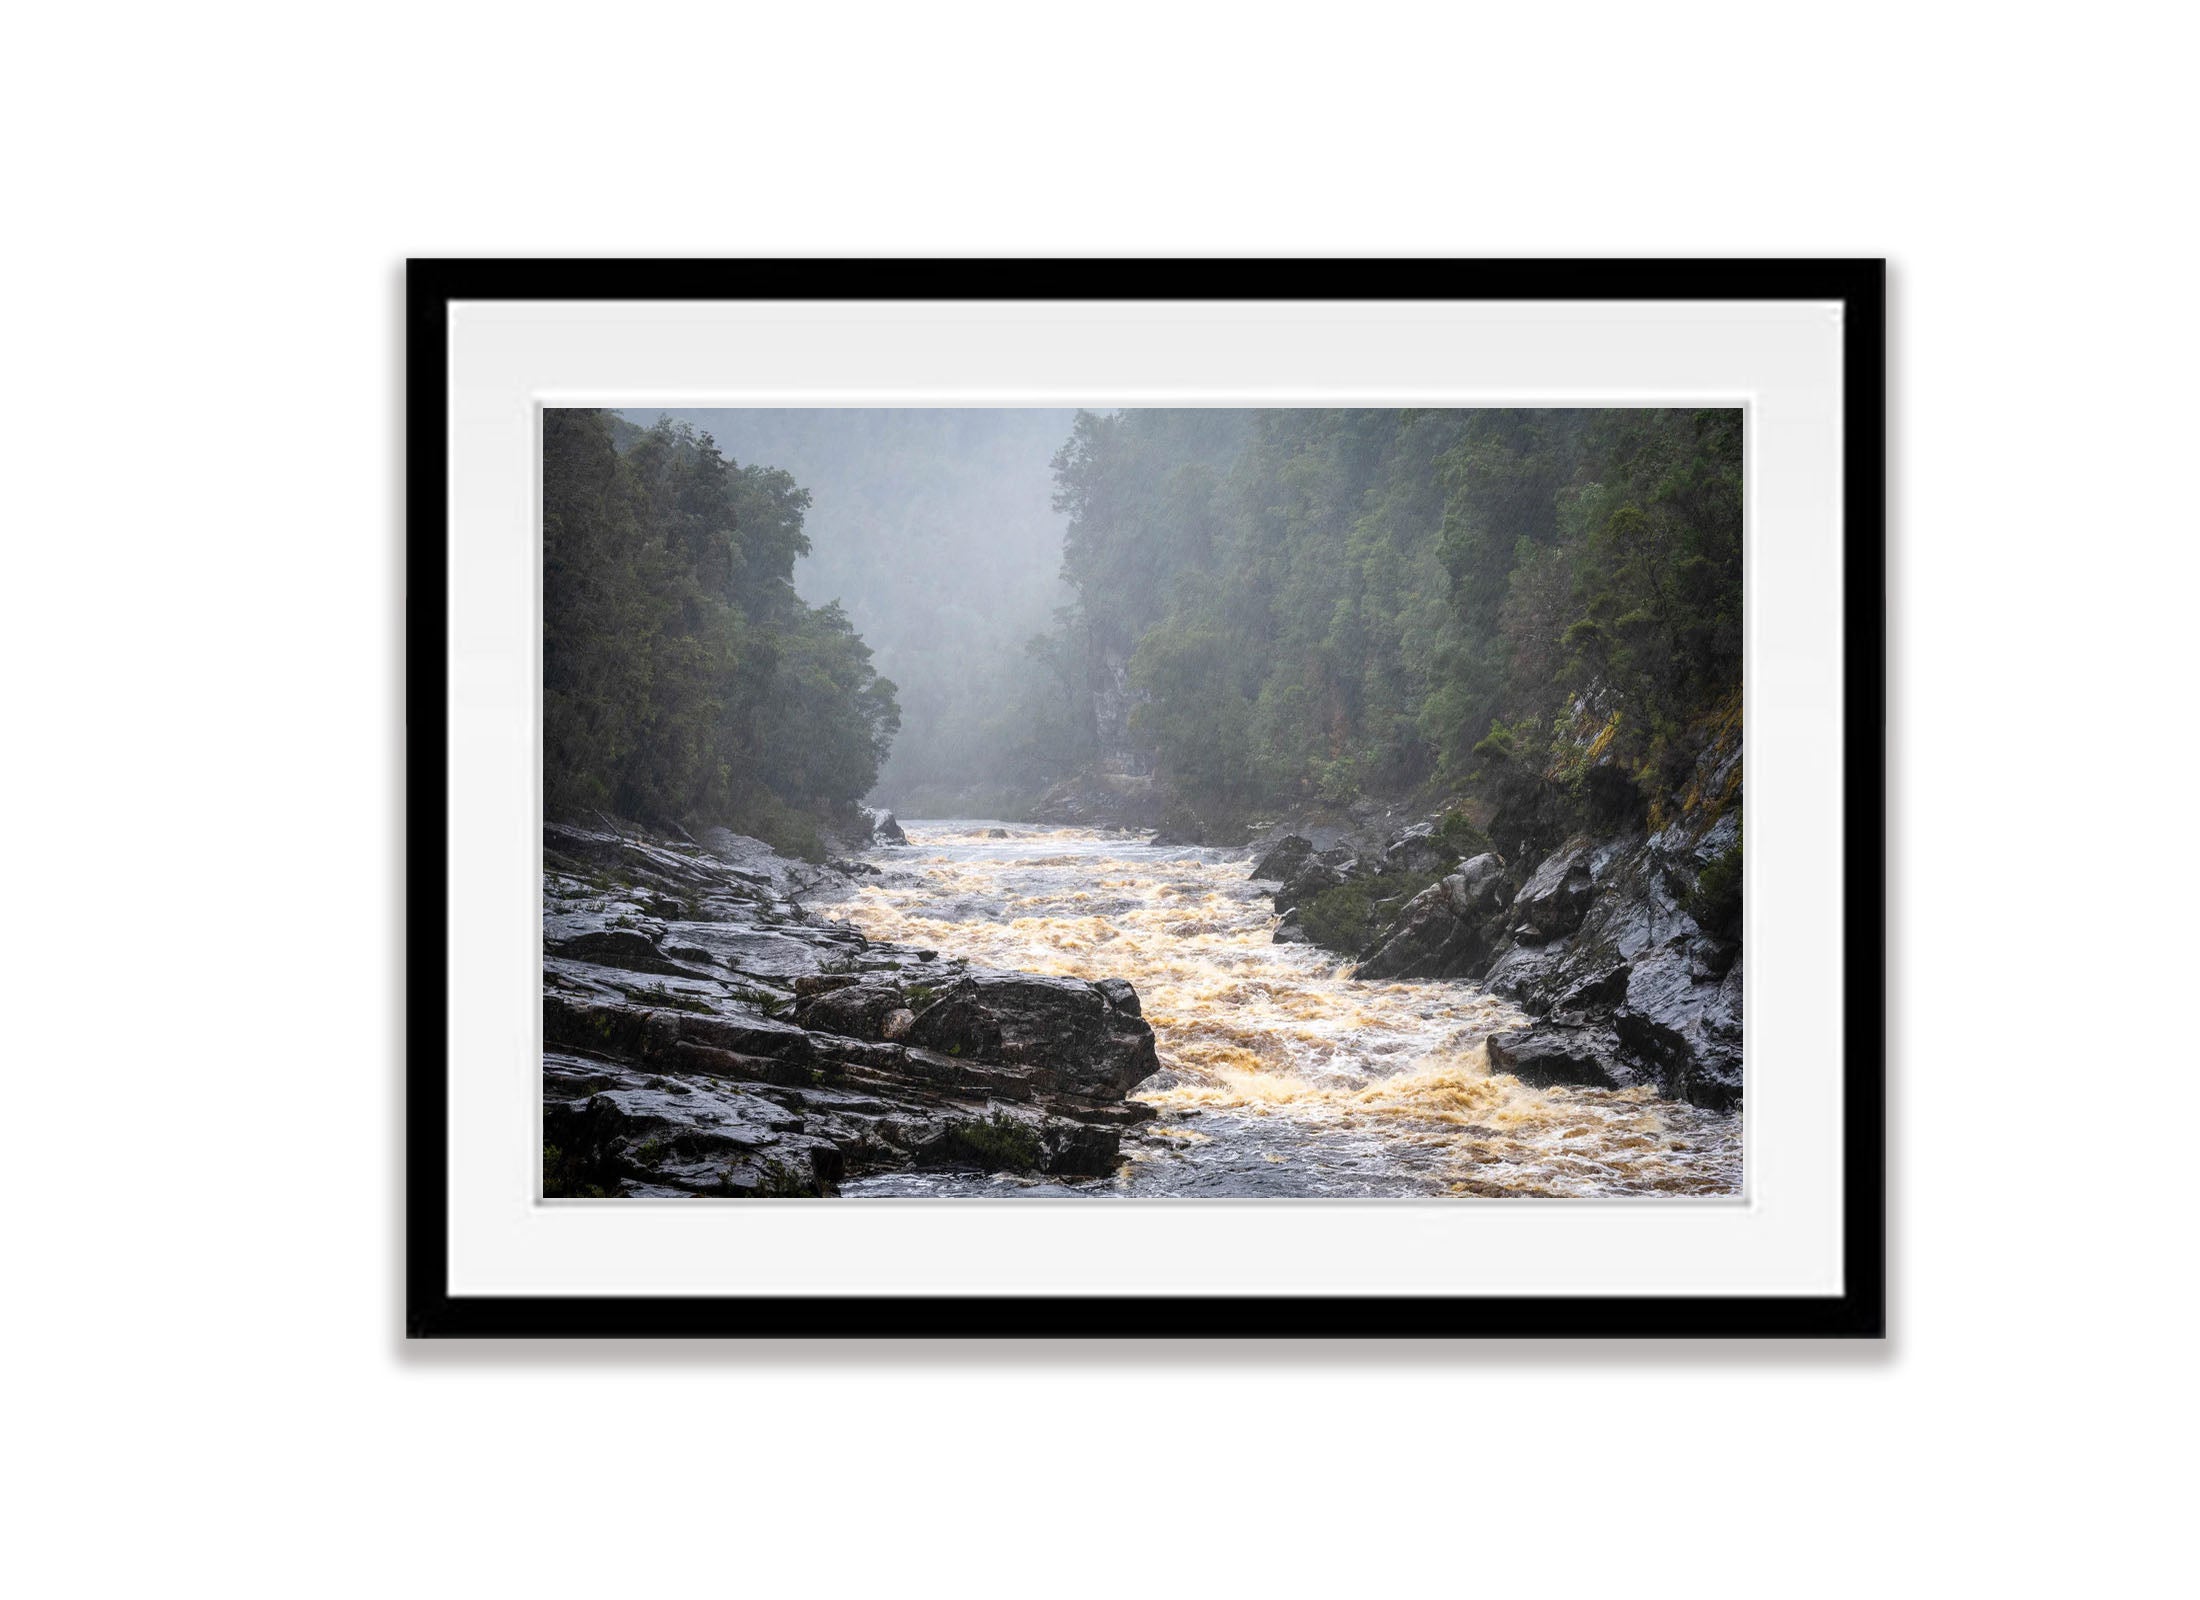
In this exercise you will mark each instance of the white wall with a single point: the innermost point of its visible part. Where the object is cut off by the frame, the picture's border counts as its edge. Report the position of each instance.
(208, 206)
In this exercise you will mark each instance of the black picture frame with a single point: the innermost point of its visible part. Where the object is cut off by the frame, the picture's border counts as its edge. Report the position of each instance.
(432, 1311)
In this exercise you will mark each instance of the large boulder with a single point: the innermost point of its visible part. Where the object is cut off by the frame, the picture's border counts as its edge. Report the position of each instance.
(1447, 930)
(1667, 1028)
(1548, 1055)
(1689, 1029)
(1090, 1041)
(1313, 877)
(1552, 902)
(1319, 874)
(1605, 950)
(1283, 858)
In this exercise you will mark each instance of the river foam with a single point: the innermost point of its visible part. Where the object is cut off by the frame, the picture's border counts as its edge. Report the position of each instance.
(1281, 1075)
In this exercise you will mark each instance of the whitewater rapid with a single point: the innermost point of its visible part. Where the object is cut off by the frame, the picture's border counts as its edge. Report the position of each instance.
(1281, 1076)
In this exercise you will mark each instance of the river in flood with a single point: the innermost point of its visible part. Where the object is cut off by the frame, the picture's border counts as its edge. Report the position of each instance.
(1280, 1075)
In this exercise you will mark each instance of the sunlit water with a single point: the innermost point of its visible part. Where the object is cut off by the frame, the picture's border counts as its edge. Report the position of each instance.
(1280, 1075)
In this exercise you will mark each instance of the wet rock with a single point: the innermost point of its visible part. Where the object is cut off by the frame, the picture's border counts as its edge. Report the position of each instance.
(682, 1137)
(884, 829)
(1602, 940)
(1418, 851)
(747, 1049)
(1526, 975)
(1556, 896)
(1283, 858)
(1119, 994)
(1478, 887)
(1705, 848)
(1652, 1020)
(1690, 1030)
(782, 954)
(739, 1029)
(610, 946)
(754, 861)
(1596, 990)
(1598, 942)
(1710, 959)
(1317, 875)
(1067, 1027)
(1447, 930)
(856, 1010)
(996, 833)
(1078, 1149)
(1425, 942)
(1550, 1054)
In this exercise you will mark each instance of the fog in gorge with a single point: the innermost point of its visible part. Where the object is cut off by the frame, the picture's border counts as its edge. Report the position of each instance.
(1196, 620)
(936, 530)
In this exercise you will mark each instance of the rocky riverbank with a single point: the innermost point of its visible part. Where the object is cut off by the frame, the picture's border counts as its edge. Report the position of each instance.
(1624, 945)
(704, 1033)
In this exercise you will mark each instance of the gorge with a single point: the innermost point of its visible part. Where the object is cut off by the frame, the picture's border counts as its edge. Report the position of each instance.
(1357, 814)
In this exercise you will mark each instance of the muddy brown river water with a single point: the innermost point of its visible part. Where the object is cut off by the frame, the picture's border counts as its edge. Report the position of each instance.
(1281, 1075)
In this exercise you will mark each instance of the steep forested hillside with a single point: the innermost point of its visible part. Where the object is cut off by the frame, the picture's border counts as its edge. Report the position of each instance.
(934, 528)
(1538, 608)
(683, 679)
(1532, 615)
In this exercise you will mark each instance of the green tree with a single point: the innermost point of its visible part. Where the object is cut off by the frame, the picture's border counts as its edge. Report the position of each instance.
(683, 678)
(1319, 604)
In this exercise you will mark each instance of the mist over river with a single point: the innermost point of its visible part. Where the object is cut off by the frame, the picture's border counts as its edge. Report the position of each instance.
(1280, 1075)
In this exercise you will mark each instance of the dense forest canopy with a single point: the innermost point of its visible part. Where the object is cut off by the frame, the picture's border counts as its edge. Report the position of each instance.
(1310, 606)
(1529, 609)
(683, 678)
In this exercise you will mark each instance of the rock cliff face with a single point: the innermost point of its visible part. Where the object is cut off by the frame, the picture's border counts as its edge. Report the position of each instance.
(1625, 946)
(1118, 788)
(1626, 985)
(705, 1034)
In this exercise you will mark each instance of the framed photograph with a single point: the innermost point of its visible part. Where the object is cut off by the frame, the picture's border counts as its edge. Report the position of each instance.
(1145, 798)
